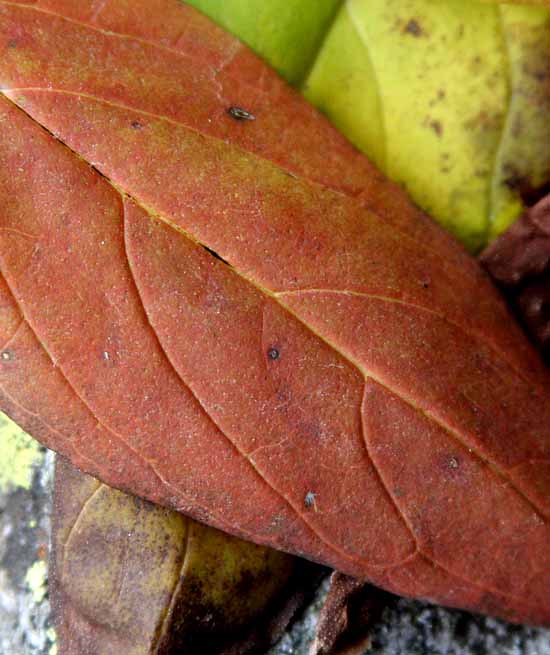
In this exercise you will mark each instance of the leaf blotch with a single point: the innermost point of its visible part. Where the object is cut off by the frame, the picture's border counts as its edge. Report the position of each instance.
(413, 28)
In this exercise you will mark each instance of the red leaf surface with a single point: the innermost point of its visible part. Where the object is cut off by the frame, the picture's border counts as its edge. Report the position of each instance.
(341, 381)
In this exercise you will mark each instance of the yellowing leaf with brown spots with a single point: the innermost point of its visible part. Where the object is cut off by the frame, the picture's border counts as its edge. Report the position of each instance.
(134, 578)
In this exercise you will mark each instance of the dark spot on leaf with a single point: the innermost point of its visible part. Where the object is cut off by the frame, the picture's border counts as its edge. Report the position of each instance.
(517, 127)
(240, 114)
(136, 125)
(538, 70)
(7, 355)
(309, 499)
(215, 254)
(12, 43)
(413, 27)
(425, 284)
(273, 353)
(437, 127)
(520, 183)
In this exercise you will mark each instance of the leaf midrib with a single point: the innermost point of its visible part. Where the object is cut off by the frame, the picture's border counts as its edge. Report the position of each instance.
(502, 474)
(185, 55)
(6, 92)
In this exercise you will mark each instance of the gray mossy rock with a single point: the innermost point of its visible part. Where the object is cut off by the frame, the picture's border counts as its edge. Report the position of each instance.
(25, 627)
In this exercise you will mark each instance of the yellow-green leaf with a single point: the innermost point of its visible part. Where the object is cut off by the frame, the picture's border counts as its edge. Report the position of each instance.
(138, 579)
(449, 98)
(287, 33)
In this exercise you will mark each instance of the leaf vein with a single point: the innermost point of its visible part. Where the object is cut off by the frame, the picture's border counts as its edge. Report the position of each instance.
(233, 444)
(476, 334)
(6, 91)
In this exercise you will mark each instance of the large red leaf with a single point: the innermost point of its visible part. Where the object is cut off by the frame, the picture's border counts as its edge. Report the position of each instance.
(345, 384)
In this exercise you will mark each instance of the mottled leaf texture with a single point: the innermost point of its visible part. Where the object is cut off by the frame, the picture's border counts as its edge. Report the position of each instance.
(133, 578)
(242, 320)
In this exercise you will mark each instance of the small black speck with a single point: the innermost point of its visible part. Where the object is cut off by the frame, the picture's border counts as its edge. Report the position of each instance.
(12, 43)
(309, 499)
(273, 353)
(425, 284)
(136, 125)
(240, 114)
(453, 463)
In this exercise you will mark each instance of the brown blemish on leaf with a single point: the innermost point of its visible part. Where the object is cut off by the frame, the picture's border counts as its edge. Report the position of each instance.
(483, 122)
(521, 183)
(437, 127)
(413, 27)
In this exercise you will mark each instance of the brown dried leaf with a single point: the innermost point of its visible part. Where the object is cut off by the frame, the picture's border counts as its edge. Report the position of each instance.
(519, 261)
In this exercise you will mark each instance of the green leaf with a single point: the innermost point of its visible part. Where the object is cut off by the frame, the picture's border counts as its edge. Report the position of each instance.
(440, 71)
(448, 98)
(287, 33)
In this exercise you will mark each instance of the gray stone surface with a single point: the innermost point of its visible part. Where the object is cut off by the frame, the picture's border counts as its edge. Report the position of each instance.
(407, 628)
(416, 628)
(25, 627)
